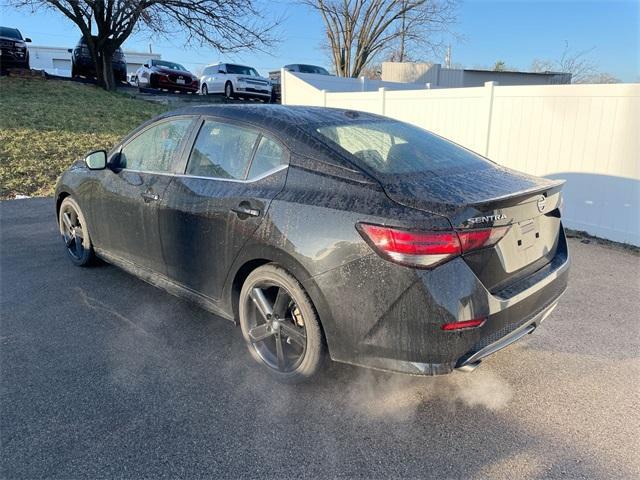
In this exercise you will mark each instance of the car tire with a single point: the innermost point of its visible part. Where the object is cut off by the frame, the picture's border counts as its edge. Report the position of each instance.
(228, 90)
(75, 233)
(289, 342)
(205, 89)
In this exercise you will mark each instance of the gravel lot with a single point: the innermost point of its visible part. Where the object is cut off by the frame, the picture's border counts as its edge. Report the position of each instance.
(103, 375)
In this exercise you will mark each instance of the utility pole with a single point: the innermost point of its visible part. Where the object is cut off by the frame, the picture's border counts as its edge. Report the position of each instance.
(403, 31)
(447, 58)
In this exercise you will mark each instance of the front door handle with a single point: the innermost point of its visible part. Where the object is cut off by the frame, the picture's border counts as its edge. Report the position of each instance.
(245, 210)
(150, 196)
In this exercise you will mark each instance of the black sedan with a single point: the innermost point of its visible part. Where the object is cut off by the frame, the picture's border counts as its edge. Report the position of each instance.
(325, 233)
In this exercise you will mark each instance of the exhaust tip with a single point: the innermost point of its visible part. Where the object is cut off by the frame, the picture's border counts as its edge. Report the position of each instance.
(469, 367)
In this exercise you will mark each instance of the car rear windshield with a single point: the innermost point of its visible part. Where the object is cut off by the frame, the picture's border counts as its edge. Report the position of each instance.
(10, 33)
(241, 70)
(171, 65)
(391, 147)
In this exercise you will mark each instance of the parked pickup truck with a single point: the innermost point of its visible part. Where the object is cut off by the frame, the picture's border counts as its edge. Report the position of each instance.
(294, 67)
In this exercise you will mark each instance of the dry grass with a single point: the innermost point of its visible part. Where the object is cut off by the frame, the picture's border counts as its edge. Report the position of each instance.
(45, 125)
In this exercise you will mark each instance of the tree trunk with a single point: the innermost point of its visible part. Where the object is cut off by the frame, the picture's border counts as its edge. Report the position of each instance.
(107, 70)
(403, 32)
(97, 62)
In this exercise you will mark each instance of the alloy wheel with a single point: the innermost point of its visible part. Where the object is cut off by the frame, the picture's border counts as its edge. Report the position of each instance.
(277, 329)
(72, 231)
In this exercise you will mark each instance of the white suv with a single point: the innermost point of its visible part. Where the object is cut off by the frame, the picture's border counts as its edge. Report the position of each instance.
(234, 80)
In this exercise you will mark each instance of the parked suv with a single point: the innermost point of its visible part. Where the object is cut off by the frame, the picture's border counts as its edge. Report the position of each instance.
(235, 80)
(82, 63)
(166, 75)
(13, 48)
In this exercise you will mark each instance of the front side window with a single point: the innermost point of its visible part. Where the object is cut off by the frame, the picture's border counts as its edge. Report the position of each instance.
(222, 151)
(155, 149)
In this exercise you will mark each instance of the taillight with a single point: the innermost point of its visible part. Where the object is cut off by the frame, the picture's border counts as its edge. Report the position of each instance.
(475, 239)
(426, 249)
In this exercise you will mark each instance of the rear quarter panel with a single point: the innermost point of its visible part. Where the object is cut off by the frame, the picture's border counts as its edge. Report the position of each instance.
(310, 230)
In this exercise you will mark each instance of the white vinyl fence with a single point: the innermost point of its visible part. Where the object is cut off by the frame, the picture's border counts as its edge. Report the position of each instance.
(588, 135)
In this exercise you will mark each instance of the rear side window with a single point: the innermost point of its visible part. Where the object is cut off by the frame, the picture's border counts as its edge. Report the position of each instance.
(269, 155)
(391, 147)
(155, 149)
(222, 151)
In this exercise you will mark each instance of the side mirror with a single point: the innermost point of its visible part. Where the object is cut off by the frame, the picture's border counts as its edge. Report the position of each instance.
(146, 65)
(96, 160)
(222, 72)
(70, 50)
(28, 40)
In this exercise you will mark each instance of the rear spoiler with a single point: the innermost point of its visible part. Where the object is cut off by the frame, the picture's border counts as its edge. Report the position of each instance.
(548, 189)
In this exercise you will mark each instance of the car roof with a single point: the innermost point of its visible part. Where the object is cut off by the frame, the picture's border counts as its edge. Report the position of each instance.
(277, 115)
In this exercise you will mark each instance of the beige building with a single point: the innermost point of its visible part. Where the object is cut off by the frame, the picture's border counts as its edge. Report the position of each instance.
(439, 77)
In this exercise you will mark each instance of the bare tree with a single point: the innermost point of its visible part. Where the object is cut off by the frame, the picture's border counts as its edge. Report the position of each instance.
(601, 77)
(577, 63)
(358, 31)
(226, 25)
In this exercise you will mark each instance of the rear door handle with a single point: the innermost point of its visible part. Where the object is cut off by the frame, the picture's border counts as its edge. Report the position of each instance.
(150, 196)
(242, 210)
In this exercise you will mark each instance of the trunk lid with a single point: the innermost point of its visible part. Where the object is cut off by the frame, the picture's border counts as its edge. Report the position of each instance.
(487, 197)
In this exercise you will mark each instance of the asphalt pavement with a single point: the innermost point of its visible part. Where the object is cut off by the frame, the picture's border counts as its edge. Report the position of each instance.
(105, 376)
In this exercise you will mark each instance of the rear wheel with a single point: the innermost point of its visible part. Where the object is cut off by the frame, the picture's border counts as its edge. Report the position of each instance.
(75, 234)
(280, 325)
(205, 90)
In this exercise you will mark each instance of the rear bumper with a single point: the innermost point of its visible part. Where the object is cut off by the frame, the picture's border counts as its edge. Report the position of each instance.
(396, 326)
(474, 357)
(166, 83)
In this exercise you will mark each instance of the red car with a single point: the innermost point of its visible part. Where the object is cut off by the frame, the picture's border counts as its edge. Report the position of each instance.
(163, 75)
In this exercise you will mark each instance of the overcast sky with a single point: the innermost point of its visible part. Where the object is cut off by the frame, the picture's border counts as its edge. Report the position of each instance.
(513, 31)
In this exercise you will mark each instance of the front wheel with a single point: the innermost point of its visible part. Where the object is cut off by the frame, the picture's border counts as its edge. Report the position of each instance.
(228, 90)
(205, 90)
(280, 324)
(75, 234)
